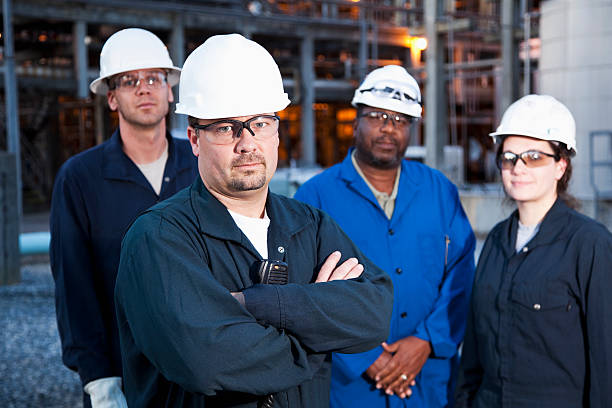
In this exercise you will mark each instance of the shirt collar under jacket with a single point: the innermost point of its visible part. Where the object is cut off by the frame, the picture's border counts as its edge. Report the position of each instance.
(386, 201)
(409, 185)
(552, 228)
(213, 219)
(117, 165)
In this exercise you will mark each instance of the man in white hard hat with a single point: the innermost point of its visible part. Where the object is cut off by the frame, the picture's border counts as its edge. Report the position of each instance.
(407, 218)
(227, 294)
(99, 192)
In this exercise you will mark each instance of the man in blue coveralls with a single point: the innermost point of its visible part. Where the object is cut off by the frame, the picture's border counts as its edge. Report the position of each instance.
(407, 218)
(99, 192)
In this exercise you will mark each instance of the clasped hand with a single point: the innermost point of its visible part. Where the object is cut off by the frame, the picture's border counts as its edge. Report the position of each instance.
(397, 366)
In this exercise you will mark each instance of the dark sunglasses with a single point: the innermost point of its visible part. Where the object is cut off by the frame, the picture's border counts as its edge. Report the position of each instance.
(531, 158)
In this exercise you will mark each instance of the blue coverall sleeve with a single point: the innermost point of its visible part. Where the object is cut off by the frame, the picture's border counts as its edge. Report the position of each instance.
(85, 347)
(445, 326)
(348, 316)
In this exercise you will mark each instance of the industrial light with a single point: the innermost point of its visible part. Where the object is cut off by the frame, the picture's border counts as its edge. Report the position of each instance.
(419, 43)
(255, 7)
(415, 43)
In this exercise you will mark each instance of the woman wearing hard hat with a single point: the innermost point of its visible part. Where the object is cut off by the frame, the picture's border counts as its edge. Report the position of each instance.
(539, 331)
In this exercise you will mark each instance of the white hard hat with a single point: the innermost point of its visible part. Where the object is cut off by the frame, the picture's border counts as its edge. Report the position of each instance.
(129, 50)
(540, 117)
(230, 76)
(390, 87)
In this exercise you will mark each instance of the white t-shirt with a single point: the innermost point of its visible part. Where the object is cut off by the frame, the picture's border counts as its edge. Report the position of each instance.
(255, 229)
(154, 171)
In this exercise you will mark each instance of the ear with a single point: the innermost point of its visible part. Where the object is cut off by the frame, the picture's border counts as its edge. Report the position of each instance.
(560, 167)
(112, 100)
(194, 140)
(170, 95)
(355, 126)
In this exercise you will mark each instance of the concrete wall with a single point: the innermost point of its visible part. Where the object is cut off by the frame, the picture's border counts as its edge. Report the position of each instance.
(576, 68)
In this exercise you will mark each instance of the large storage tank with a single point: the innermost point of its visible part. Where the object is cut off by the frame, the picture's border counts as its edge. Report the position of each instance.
(576, 68)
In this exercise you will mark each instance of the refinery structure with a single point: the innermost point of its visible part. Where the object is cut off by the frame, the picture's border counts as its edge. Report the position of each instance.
(472, 58)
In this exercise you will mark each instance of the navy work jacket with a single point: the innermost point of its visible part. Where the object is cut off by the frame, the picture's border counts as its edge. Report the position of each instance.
(540, 329)
(97, 194)
(427, 247)
(185, 340)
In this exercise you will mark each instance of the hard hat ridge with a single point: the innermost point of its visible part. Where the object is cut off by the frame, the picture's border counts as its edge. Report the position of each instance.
(133, 49)
(540, 117)
(390, 87)
(230, 76)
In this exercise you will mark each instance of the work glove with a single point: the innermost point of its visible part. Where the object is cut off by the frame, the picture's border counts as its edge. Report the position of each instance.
(106, 393)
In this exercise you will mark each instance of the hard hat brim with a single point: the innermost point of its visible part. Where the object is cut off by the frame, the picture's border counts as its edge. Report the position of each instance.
(191, 109)
(498, 137)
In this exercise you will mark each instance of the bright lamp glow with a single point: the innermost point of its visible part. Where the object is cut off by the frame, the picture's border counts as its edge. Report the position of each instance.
(420, 43)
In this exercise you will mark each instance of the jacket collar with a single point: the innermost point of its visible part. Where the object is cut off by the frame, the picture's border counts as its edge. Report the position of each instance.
(117, 165)
(408, 185)
(214, 219)
(552, 228)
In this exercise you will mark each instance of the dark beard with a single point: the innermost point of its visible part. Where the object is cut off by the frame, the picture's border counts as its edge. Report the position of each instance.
(249, 183)
(365, 155)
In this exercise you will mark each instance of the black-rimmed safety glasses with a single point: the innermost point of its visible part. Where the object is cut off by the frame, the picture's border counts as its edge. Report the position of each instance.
(531, 158)
(227, 131)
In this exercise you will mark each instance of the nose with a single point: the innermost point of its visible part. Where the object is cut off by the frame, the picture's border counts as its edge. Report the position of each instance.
(246, 141)
(519, 166)
(388, 125)
(142, 87)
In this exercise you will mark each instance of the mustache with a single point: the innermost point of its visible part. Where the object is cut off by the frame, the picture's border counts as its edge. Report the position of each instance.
(386, 139)
(250, 158)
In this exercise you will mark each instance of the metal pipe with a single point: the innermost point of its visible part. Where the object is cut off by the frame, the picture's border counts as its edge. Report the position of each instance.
(79, 31)
(363, 45)
(527, 61)
(12, 107)
(178, 123)
(435, 117)
(509, 57)
(309, 153)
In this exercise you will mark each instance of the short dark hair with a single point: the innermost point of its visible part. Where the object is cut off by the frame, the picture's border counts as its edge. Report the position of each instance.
(192, 121)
